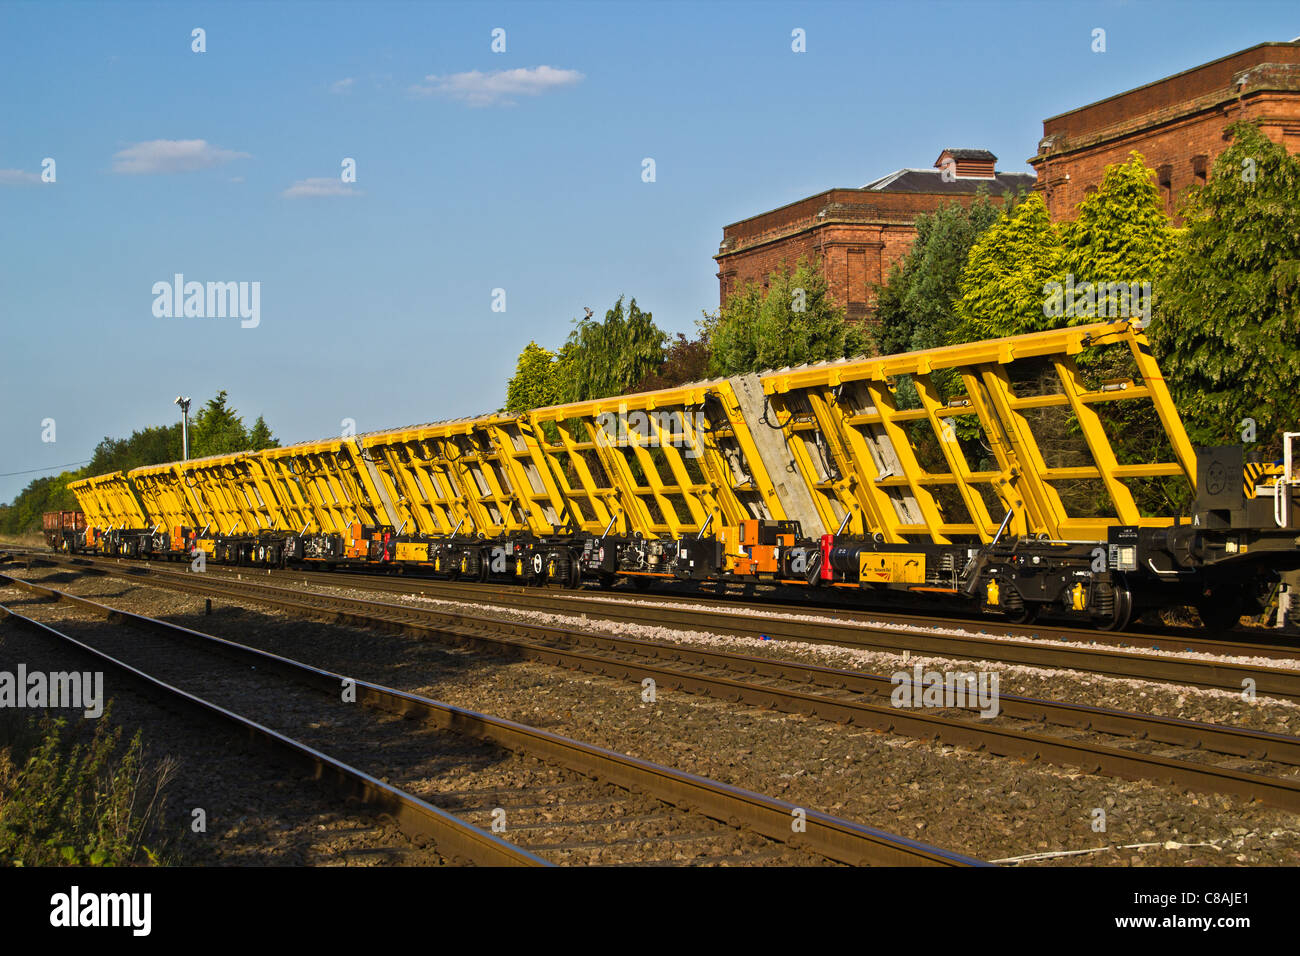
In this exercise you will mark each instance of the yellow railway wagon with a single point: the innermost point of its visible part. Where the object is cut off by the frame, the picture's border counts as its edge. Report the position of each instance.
(474, 476)
(940, 445)
(322, 486)
(109, 502)
(658, 464)
(164, 495)
(236, 492)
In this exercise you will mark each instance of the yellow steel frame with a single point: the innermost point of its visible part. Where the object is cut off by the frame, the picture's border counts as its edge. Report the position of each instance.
(846, 437)
(239, 497)
(576, 470)
(162, 491)
(477, 475)
(615, 458)
(849, 409)
(328, 482)
(91, 503)
(108, 501)
(418, 469)
(296, 506)
(733, 460)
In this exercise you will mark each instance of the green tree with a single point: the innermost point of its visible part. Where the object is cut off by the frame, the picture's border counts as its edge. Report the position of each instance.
(1116, 248)
(686, 360)
(1227, 324)
(1010, 265)
(607, 358)
(794, 321)
(916, 307)
(534, 383)
(151, 445)
(260, 437)
(1113, 252)
(48, 493)
(217, 429)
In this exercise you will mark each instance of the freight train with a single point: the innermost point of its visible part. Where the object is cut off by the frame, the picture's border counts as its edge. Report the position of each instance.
(1043, 473)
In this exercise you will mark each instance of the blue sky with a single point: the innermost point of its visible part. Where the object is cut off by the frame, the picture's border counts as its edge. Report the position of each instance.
(475, 171)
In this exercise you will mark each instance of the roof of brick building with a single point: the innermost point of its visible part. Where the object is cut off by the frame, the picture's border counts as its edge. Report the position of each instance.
(970, 154)
(932, 181)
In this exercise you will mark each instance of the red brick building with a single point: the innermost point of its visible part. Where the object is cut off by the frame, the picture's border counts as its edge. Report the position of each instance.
(1176, 123)
(857, 234)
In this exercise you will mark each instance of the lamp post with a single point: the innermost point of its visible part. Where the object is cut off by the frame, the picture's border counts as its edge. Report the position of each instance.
(184, 403)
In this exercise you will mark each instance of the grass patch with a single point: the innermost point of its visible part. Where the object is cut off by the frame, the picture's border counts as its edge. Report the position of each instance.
(77, 796)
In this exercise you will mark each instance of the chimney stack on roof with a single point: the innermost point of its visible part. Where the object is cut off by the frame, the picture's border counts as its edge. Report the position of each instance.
(969, 163)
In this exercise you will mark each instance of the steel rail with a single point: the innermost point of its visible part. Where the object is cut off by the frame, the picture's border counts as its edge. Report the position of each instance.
(850, 615)
(1216, 675)
(537, 642)
(813, 604)
(833, 837)
(415, 817)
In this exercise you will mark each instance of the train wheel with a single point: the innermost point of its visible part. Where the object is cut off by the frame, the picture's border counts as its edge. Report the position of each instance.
(562, 570)
(1025, 614)
(1122, 613)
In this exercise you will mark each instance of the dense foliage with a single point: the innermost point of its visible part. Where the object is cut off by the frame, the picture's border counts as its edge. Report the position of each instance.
(218, 429)
(1227, 324)
(686, 360)
(1026, 273)
(1010, 264)
(793, 321)
(916, 307)
(609, 357)
(1117, 247)
(72, 796)
(623, 354)
(534, 383)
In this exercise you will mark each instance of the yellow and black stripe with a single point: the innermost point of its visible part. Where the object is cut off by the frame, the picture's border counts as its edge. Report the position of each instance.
(1260, 473)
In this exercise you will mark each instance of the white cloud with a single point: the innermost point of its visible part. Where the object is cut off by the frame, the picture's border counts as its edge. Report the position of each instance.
(18, 177)
(488, 89)
(172, 156)
(343, 85)
(308, 188)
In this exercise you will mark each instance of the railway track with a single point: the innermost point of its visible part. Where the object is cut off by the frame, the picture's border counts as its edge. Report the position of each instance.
(565, 801)
(1281, 682)
(776, 621)
(775, 616)
(456, 840)
(1247, 763)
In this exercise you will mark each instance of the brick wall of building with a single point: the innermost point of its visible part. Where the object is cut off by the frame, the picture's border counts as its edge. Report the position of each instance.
(857, 236)
(1177, 124)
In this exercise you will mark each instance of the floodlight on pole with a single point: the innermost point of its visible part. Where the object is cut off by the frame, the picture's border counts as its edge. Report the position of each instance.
(184, 403)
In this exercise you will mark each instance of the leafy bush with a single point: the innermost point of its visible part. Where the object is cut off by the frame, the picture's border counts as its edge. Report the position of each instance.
(792, 322)
(1227, 322)
(66, 800)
